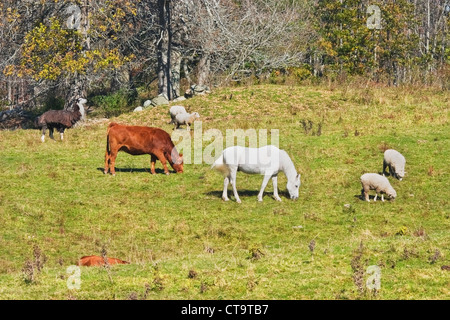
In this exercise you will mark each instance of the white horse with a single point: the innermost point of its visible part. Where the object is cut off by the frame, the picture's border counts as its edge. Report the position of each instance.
(267, 161)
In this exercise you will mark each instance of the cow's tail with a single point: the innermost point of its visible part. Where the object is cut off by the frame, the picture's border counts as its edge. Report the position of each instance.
(220, 166)
(112, 124)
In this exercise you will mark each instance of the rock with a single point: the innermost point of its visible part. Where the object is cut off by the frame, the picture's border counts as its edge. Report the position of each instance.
(195, 90)
(179, 99)
(200, 89)
(138, 109)
(147, 103)
(160, 100)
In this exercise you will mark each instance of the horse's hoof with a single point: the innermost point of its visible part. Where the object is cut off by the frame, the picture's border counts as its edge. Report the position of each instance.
(238, 200)
(167, 173)
(225, 199)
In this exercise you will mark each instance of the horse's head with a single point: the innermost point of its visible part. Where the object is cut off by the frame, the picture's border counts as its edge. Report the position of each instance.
(292, 187)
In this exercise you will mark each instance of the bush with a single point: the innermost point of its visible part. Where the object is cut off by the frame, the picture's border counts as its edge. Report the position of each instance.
(114, 104)
(53, 103)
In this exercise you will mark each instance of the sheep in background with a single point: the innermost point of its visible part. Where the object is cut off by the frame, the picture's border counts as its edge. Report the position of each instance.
(379, 183)
(60, 119)
(185, 118)
(396, 163)
(174, 110)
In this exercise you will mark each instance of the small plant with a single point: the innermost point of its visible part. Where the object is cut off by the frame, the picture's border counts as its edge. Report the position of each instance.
(358, 267)
(192, 274)
(308, 127)
(312, 246)
(33, 267)
(403, 230)
(255, 253)
(435, 257)
(104, 253)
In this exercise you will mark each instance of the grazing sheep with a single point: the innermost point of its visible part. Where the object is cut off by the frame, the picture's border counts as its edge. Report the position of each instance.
(60, 119)
(185, 118)
(174, 110)
(379, 183)
(396, 163)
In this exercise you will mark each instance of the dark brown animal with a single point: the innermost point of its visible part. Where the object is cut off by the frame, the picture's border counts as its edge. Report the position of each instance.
(137, 140)
(60, 119)
(90, 261)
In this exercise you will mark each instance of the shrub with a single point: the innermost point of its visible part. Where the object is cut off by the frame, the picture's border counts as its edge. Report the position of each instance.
(113, 104)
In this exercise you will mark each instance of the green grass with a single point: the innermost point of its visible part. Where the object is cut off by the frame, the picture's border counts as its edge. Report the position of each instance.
(54, 195)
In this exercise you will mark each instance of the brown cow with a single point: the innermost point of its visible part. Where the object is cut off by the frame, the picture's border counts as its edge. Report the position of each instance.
(90, 261)
(138, 140)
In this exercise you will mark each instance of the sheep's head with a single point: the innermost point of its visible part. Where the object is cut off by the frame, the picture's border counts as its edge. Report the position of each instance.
(292, 186)
(400, 173)
(392, 193)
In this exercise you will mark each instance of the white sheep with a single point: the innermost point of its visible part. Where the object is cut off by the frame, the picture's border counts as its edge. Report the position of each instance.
(185, 118)
(174, 110)
(396, 163)
(379, 183)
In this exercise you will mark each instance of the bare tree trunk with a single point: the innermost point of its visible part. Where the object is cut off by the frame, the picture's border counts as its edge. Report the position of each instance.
(175, 72)
(186, 72)
(164, 49)
(203, 69)
(77, 85)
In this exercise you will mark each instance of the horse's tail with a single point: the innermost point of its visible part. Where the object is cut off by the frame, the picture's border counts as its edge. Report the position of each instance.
(219, 165)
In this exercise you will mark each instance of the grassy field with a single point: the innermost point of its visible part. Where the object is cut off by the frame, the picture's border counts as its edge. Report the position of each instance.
(184, 242)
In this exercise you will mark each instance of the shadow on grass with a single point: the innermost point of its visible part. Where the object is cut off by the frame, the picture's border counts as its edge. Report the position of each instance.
(247, 193)
(147, 170)
(360, 197)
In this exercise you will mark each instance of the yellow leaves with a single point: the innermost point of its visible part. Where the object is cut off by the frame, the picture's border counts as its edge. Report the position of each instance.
(9, 70)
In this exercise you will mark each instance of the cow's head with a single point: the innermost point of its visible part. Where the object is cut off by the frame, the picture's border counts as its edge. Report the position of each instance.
(178, 163)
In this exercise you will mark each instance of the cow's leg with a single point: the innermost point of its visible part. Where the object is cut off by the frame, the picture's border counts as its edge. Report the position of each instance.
(61, 133)
(163, 160)
(233, 172)
(275, 188)
(226, 180)
(112, 161)
(263, 186)
(107, 156)
(153, 161)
